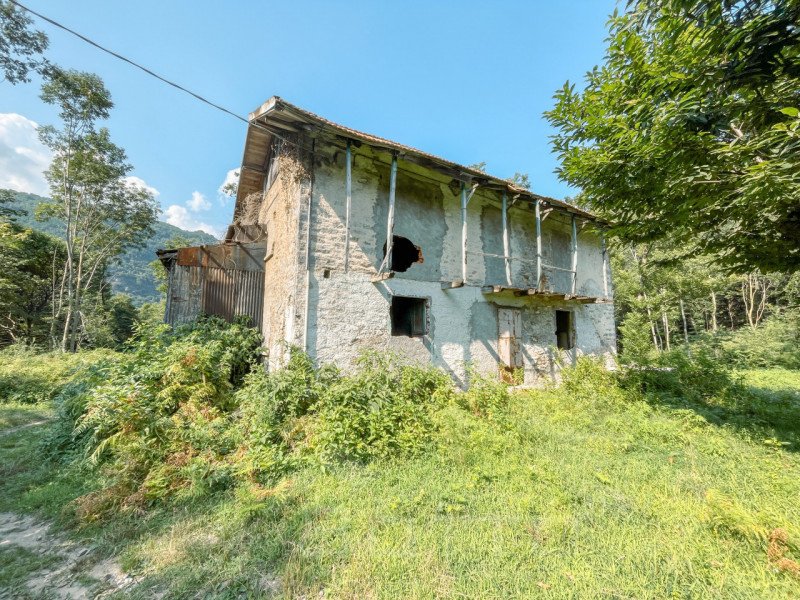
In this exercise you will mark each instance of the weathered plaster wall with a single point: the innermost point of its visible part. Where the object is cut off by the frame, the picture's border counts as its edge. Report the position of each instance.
(349, 313)
(282, 212)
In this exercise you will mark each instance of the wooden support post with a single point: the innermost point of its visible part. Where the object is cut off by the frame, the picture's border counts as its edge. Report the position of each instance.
(605, 264)
(538, 244)
(463, 232)
(574, 256)
(506, 241)
(348, 192)
(390, 222)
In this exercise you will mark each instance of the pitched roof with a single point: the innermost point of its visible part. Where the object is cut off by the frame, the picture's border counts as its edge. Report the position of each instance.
(278, 116)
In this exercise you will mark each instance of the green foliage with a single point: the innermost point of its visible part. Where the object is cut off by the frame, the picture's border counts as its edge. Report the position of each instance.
(383, 409)
(690, 126)
(774, 343)
(676, 374)
(157, 420)
(21, 47)
(101, 212)
(635, 337)
(28, 376)
(28, 259)
(690, 498)
(186, 413)
(487, 398)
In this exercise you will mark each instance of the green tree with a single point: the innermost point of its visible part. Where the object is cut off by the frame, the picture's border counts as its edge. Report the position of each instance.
(690, 131)
(21, 47)
(6, 212)
(29, 259)
(102, 215)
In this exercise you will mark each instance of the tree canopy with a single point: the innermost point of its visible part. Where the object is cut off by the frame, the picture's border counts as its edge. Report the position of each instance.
(21, 47)
(102, 214)
(690, 131)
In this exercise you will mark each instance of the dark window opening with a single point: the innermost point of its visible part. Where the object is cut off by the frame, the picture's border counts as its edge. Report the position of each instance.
(326, 273)
(404, 254)
(409, 316)
(564, 330)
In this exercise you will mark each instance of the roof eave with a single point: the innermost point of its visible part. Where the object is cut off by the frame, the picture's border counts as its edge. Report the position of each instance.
(277, 104)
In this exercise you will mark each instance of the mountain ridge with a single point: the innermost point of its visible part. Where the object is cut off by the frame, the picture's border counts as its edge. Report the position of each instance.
(130, 272)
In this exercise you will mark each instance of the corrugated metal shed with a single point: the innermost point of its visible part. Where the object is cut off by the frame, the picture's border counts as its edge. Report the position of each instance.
(225, 280)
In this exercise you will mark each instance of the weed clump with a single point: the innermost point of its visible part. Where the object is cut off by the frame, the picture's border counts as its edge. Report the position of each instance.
(190, 412)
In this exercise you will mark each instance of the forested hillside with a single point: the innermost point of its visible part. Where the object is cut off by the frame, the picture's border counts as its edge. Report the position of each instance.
(131, 274)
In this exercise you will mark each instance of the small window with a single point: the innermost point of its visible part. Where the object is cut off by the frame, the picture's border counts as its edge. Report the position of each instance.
(409, 316)
(564, 339)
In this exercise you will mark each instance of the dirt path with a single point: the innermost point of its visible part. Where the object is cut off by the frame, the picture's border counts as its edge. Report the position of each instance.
(73, 571)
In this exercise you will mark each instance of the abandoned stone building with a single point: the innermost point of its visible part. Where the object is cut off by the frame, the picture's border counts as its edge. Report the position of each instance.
(343, 241)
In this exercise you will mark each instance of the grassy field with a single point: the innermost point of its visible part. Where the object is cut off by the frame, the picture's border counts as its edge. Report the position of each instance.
(572, 494)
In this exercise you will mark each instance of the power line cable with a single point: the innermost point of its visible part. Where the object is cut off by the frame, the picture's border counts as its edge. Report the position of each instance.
(129, 61)
(176, 85)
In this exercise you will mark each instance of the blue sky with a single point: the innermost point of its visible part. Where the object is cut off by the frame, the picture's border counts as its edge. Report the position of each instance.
(464, 80)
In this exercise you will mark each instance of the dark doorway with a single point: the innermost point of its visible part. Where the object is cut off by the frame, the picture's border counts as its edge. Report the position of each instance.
(564, 340)
(404, 254)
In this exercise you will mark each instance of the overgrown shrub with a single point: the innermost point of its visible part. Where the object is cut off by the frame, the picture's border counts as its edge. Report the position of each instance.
(383, 409)
(187, 412)
(696, 377)
(157, 421)
(774, 343)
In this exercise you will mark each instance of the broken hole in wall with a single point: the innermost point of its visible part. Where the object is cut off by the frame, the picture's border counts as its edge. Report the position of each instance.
(404, 254)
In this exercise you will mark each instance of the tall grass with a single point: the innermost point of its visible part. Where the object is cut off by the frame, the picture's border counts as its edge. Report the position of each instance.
(215, 479)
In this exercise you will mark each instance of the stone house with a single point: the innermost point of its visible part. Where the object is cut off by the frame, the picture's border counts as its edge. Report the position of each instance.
(343, 241)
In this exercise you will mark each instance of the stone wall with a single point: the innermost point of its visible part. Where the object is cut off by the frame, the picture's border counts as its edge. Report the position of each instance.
(349, 313)
(282, 213)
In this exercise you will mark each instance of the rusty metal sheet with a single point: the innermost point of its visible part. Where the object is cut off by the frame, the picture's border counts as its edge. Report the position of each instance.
(225, 280)
(231, 293)
(190, 257)
(240, 257)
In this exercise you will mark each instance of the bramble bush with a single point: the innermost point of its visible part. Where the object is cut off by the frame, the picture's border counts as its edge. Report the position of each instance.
(188, 412)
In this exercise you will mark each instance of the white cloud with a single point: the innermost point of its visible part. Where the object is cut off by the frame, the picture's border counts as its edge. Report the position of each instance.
(138, 182)
(179, 216)
(198, 202)
(231, 179)
(23, 158)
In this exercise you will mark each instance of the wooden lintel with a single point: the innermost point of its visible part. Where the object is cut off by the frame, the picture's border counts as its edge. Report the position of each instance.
(382, 276)
(449, 285)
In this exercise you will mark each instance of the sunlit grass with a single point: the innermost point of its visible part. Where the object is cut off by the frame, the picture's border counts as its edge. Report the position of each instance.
(577, 495)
